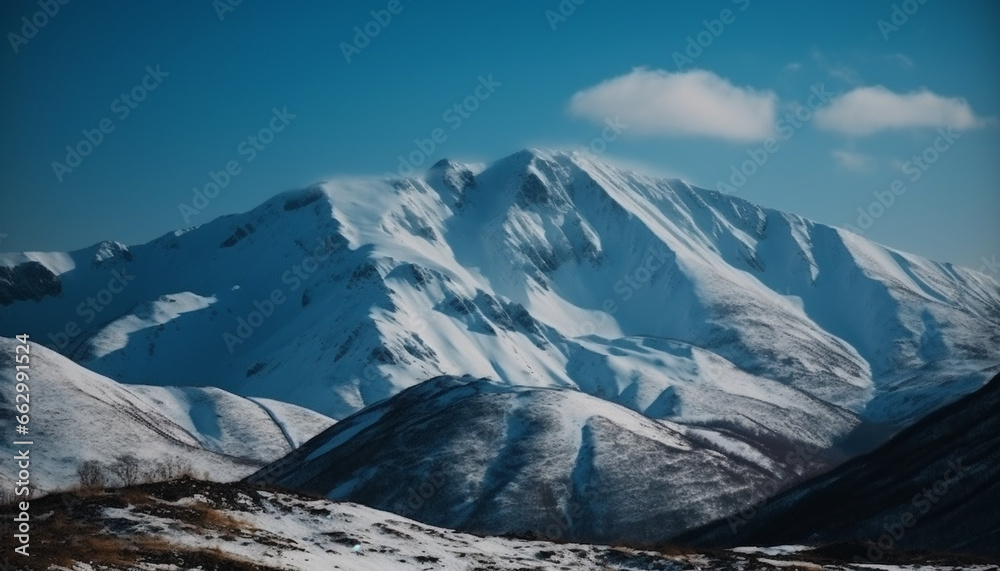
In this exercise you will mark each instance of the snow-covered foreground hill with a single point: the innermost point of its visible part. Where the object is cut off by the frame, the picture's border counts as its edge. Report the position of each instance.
(77, 415)
(197, 525)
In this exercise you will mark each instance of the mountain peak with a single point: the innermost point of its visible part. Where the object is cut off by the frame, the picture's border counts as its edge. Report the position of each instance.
(603, 296)
(543, 269)
(443, 164)
(452, 179)
(534, 155)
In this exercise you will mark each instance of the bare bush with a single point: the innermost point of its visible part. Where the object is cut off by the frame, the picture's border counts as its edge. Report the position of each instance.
(180, 468)
(166, 470)
(92, 474)
(127, 468)
(156, 472)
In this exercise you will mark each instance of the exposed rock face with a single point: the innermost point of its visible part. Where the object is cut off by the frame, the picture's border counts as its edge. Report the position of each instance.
(30, 281)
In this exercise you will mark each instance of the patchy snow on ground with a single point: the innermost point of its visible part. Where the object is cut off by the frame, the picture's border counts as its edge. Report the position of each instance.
(774, 550)
(200, 525)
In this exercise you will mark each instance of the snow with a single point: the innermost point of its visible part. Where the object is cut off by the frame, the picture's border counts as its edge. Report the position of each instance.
(583, 247)
(115, 336)
(284, 531)
(775, 550)
(884, 567)
(745, 328)
(800, 565)
(502, 450)
(298, 424)
(78, 415)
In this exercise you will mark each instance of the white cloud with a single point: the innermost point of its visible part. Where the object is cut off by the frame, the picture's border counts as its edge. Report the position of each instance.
(852, 161)
(692, 103)
(866, 110)
(792, 67)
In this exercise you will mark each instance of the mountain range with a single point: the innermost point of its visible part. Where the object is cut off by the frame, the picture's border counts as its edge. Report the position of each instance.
(681, 351)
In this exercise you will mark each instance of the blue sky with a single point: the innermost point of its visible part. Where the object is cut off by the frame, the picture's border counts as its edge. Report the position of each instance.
(559, 69)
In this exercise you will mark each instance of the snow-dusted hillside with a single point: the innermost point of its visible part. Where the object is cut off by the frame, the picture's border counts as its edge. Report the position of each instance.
(490, 458)
(78, 415)
(198, 525)
(940, 477)
(544, 269)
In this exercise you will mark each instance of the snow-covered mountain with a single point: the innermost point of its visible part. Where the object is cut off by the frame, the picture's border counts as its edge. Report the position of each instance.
(753, 331)
(543, 269)
(490, 458)
(78, 415)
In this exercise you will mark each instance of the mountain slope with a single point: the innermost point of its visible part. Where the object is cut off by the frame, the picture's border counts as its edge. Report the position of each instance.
(547, 269)
(936, 485)
(77, 415)
(486, 457)
(755, 333)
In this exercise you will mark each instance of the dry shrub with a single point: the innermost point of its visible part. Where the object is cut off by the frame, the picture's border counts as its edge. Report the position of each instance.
(127, 468)
(211, 518)
(66, 542)
(92, 474)
(136, 497)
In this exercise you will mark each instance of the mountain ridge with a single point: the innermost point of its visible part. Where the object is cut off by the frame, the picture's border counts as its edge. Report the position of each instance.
(750, 332)
(550, 250)
(933, 486)
(78, 415)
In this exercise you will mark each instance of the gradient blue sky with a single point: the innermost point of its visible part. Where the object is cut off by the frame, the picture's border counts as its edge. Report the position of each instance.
(356, 118)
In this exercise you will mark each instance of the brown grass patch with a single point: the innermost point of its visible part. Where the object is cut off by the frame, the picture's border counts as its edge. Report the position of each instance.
(76, 529)
(84, 492)
(208, 517)
(60, 541)
(136, 497)
(63, 542)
